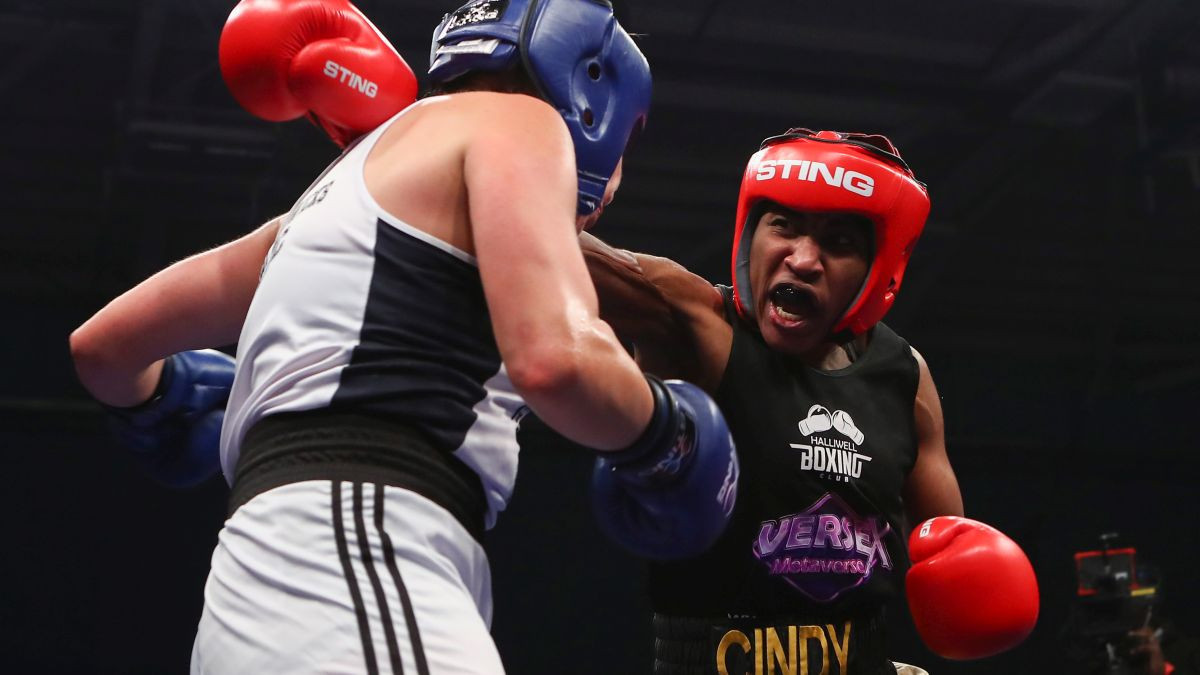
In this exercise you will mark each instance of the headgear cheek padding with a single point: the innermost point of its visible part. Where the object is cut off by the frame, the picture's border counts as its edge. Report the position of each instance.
(835, 172)
(581, 60)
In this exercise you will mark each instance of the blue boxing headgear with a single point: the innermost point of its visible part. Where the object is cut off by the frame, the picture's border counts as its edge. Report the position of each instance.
(580, 59)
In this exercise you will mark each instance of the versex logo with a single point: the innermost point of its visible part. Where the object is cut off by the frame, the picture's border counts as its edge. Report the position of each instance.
(803, 169)
(824, 550)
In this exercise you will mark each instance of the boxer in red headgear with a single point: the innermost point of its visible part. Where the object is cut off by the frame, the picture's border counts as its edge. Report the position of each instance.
(838, 426)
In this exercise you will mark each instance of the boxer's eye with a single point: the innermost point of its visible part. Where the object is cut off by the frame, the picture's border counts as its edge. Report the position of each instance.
(781, 223)
(840, 242)
(846, 239)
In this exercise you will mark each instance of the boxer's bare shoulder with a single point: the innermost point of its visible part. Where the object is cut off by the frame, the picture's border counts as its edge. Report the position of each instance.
(455, 121)
(420, 169)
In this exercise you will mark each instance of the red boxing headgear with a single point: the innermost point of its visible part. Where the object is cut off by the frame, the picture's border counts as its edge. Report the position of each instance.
(863, 174)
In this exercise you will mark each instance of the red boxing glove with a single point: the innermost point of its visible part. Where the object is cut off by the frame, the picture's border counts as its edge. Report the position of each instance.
(971, 590)
(282, 59)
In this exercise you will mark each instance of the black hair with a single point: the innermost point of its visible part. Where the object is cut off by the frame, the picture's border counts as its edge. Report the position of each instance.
(511, 80)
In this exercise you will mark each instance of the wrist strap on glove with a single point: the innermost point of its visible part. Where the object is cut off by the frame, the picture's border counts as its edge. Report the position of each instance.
(133, 413)
(662, 451)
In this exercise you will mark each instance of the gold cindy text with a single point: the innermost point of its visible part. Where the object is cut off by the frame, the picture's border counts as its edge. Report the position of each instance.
(770, 648)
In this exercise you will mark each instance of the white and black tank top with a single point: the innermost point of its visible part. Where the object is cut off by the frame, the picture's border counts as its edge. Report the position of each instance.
(359, 312)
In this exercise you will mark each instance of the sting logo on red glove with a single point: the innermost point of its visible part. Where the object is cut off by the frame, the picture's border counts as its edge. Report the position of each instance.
(283, 59)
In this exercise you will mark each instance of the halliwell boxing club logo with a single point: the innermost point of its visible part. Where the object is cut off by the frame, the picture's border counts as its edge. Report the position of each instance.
(831, 457)
(827, 548)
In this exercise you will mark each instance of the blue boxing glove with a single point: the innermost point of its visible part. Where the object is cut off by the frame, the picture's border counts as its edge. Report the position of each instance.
(176, 435)
(670, 495)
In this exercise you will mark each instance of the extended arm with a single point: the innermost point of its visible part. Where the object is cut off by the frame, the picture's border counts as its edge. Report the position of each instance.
(198, 302)
(931, 489)
(565, 361)
(669, 487)
(674, 318)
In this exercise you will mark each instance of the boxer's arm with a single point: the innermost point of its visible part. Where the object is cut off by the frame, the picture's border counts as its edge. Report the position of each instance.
(198, 302)
(674, 318)
(567, 363)
(931, 488)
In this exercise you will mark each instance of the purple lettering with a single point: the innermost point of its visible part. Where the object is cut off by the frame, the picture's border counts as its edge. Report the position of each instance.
(829, 529)
(767, 543)
(802, 530)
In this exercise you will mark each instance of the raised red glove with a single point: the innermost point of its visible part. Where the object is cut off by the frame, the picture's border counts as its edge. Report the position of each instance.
(971, 590)
(282, 59)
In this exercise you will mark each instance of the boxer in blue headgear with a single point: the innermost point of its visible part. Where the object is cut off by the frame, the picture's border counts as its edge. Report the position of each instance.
(598, 80)
(392, 327)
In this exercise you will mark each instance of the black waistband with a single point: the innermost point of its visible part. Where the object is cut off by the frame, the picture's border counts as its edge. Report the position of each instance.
(328, 445)
(834, 644)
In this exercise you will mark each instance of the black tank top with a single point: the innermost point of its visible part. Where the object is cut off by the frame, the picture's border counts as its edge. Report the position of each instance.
(819, 531)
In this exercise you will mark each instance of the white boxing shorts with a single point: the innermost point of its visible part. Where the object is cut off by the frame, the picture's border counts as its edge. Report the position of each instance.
(327, 576)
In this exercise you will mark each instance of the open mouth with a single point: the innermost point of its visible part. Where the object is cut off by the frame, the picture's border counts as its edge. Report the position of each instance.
(793, 304)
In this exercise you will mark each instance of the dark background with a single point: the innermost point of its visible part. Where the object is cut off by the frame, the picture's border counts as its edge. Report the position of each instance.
(1054, 293)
